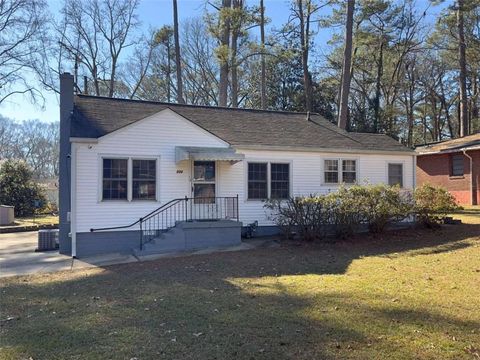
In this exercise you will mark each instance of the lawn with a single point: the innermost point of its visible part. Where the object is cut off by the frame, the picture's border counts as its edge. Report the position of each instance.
(43, 219)
(407, 294)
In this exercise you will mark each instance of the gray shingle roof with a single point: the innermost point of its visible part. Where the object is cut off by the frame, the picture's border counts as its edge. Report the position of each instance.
(458, 144)
(94, 117)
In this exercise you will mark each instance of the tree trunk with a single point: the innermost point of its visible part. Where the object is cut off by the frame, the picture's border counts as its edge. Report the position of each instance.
(224, 68)
(263, 81)
(169, 71)
(464, 127)
(235, 32)
(378, 89)
(234, 72)
(178, 63)
(305, 40)
(347, 63)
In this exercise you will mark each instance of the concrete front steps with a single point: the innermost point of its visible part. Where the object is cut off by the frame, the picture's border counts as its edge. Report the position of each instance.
(194, 235)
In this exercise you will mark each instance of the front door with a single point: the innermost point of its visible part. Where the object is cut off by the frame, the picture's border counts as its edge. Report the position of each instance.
(203, 206)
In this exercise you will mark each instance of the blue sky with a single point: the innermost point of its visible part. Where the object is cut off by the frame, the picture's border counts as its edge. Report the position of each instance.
(155, 13)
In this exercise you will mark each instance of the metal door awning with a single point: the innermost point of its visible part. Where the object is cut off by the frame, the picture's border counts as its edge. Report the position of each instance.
(207, 154)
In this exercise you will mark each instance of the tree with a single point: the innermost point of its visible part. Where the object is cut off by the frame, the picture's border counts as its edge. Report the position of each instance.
(23, 27)
(18, 189)
(302, 11)
(464, 126)
(263, 68)
(178, 63)
(164, 37)
(94, 35)
(32, 141)
(347, 64)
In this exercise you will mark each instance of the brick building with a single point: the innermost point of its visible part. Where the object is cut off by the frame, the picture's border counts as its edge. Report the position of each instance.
(453, 164)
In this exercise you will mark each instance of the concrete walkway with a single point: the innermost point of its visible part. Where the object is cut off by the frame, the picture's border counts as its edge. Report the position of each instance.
(18, 256)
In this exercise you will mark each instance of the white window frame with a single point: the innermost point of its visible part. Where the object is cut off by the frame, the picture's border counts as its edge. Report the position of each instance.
(340, 171)
(129, 159)
(402, 163)
(130, 173)
(269, 176)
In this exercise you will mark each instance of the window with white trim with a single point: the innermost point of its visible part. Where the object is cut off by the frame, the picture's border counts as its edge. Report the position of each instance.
(257, 181)
(395, 174)
(268, 180)
(144, 175)
(129, 179)
(331, 171)
(349, 171)
(115, 179)
(279, 181)
(334, 174)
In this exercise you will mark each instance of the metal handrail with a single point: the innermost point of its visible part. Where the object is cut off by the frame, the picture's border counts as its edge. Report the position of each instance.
(164, 216)
(139, 220)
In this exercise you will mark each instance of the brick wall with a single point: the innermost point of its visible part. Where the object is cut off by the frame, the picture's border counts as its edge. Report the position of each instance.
(436, 169)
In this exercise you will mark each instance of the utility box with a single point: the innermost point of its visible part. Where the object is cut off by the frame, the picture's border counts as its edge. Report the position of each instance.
(6, 215)
(47, 239)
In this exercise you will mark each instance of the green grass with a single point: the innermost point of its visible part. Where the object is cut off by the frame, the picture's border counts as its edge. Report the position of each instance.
(43, 219)
(403, 295)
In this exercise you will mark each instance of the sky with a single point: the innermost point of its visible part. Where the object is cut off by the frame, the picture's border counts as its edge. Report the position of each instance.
(154, 14)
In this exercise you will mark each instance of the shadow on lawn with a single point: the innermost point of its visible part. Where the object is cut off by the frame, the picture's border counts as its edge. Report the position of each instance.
(189, 308)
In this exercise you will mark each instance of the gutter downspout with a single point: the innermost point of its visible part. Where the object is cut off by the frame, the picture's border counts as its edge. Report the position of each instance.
(471, 175)
(414, 165)
(73, 200)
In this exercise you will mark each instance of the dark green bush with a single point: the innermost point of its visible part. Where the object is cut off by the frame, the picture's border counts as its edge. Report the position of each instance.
(17, 188)
(306, 216)
(383, 205)
(432, 203)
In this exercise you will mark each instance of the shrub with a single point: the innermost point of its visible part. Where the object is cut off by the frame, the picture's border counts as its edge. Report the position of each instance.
(304, 215)
(432, 204)
(383, 205)
(346, 209)
(17, 187)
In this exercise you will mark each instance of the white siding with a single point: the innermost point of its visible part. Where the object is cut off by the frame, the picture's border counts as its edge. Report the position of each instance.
(157, 137)
(307, 175)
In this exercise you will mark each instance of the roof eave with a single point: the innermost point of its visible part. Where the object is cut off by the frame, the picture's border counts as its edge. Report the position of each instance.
(323, 149)
(448, 151)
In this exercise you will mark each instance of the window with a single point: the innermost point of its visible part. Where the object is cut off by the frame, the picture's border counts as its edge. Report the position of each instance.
(331, 171)
(144, 179)
(115, 179)
(204, 182)
(395, 174)
(457, 165)
(280, 181)
(333, 175)
(349, 171)
(257, 181)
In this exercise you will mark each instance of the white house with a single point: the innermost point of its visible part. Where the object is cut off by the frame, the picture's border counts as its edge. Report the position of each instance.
(202, 171)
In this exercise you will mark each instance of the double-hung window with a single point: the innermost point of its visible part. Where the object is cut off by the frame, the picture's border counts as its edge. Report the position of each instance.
(457, 165)
(279, 181)
(129, 179)
(268, 180)
(115, 179)
(395, 174)
(340, 170)
(257, 181)
(144, 179)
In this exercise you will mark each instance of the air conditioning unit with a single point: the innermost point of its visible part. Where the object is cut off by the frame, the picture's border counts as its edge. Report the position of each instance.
(47, 239)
